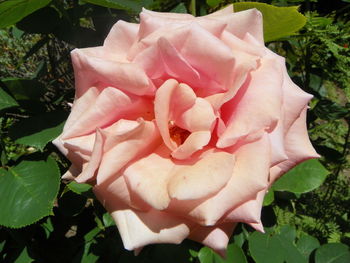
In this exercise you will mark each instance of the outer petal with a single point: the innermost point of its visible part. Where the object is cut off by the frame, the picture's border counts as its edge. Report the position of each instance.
(203, 178)
(163, 60)
(215, 237)
(120, 38)
(90, 69)
(256, 107)
(249, 21)
(110, 106)
(245, 182)
(248, 212)
(121, 151)
(138, 229)
(298, 148)
(149, 177)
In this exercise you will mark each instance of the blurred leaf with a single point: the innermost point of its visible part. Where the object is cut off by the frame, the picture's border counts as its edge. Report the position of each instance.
(275, 248)
(6, 101)
(180, 8)
(213, 3)
(306, 244)
(78, 188)
(303, 178)
(278, 21)
(234, 254)
(333, 253)
(265, 248)
(24, 257)
(269, 197)
(27, 192)
(33, 23)
(24, 89)
(37, 131)
(329, 110)
(14, 10)
(132, 5)
(108, 220)
(78, 36)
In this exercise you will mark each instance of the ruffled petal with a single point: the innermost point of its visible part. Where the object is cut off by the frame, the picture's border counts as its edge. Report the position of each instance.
(122, 150)
(256, 107)
(138, 229)
(249, 212)
(203, 178)
(90, 69)
(249, 21)
(194, 142)
(120, 39)
(149, 177)
(215, 237)
(171, 99)
(246, 180)
(200, 117)
(297, 146)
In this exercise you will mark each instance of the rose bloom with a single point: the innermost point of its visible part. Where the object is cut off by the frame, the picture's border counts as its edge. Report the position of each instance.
(181, 124)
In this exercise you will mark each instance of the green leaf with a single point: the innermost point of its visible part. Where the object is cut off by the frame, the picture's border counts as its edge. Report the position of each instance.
(131, 5)
(265, 248)
(306, 244)
(27, 192)
(108, 220)
(6, 101)
(14, 10)
(24, 257)
(275, 248)
(333, 253)
(180, 8)
(234, 254)
(278, 21)
(269, 197)
(33, 23)
(213, 3)
(79, 188)
(329, 110)
(24, 89)
(303, 178)
(37, 131)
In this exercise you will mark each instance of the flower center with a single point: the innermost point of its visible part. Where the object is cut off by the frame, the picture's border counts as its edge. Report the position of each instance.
(177, 134)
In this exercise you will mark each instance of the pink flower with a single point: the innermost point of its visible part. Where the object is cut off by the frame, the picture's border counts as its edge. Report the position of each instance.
(181, 124)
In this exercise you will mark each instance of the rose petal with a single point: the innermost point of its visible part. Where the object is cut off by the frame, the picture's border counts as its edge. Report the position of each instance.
(89, 172)
(164, 61)
(132, 147)
(200, 117)
(80, 106)
(256, 107)
(89, 70)
(249, 212)
(246, 180)
(149, 177)
(110, 106)
(297, 146)
(249, 21)
(120, 38)
(164, 107)
(215, 237)
(194, 142)
(204, 178)
(138, 229)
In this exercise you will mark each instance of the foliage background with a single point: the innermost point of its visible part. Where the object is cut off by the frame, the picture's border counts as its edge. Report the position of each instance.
(43, 219)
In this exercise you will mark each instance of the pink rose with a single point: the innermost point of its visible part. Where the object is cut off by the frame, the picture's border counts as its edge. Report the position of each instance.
(181, 124)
